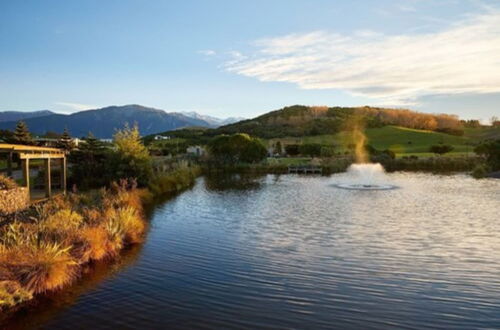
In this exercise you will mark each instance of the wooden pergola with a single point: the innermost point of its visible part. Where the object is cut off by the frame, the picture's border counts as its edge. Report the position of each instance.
(26, 153)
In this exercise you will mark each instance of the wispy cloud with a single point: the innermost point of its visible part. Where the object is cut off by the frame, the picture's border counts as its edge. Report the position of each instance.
(406, 8)
(207, 52)
(72, 107)
(391, 69)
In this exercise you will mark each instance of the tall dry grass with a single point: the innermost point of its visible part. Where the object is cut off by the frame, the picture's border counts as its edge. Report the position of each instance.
(48, 253)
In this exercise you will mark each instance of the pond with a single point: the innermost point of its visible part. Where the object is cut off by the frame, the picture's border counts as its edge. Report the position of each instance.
(298, 252)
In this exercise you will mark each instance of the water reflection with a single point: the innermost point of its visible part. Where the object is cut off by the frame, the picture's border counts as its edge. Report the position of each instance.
(48, 307)
(233, 181)
(295, 252)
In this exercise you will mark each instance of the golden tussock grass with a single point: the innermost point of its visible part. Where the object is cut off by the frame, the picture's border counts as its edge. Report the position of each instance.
(39, 268)
(12, 293)
(63, 220)
(98, 242)
(47, 253)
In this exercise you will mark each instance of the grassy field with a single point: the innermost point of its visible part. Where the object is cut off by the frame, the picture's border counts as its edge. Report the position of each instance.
(289, 161)
(403, 141)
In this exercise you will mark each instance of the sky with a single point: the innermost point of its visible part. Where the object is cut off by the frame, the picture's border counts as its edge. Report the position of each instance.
(244, 58)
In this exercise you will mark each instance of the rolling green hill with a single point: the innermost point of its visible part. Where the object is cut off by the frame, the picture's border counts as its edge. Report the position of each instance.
(405, 132)
(403, 141)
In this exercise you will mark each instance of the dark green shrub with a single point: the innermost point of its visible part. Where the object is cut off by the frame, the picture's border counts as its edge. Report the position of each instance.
(237, 148)
(310, 149)
(440, 149)
(292, 149)
(480, 171)
(490, 150)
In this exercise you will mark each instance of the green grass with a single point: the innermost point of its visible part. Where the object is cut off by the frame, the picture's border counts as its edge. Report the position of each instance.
(404, 141)
(479, 134)
(289, 161)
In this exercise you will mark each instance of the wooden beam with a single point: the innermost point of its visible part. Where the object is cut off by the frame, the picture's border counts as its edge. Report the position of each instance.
(63, 174)
(26, 174)
(48, 183)
(24, 155)
(20, 147)
(9, 164)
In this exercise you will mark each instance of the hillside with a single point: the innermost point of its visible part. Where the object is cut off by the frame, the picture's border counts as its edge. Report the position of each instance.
(22, 115)
(299, 120)
(103, 122)
(401, 140)
(401, 131)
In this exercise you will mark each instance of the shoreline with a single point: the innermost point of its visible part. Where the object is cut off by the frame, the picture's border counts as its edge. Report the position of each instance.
(74, 232)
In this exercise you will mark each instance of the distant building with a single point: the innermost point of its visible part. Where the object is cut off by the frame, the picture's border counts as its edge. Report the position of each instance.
(196, 151)
(162, 137)
(106, 140)
(53, 143)
(46, 142)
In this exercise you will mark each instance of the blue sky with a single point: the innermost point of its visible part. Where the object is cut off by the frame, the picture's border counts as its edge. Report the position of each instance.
(244, 58)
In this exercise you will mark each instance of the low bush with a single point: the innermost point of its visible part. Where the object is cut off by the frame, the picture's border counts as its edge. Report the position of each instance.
(169, 183)
(480, 171)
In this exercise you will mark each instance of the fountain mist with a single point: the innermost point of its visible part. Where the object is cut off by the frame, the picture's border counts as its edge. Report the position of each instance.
(359, 145)
(364, 175)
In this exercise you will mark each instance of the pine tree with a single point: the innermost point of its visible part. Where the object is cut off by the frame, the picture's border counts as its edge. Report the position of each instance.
(66, 142)
(22, 134)
(90, 162)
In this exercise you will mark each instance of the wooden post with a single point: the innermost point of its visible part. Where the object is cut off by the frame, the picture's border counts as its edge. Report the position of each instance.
(9, 164)
(63, 174)
(26, 174)
(48, 183)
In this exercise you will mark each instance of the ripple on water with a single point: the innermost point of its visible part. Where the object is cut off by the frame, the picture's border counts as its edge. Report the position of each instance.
(295, 252)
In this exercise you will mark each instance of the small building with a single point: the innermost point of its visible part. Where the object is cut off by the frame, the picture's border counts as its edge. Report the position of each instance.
(46, 142)
(162, 137)
(197, 151)
(54, 143)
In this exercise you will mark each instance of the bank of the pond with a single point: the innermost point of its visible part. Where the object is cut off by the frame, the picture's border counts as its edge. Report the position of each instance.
(46, 249)
(337, 165)
(288, 251)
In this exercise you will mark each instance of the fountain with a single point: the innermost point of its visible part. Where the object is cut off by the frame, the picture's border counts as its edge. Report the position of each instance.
(364, 175)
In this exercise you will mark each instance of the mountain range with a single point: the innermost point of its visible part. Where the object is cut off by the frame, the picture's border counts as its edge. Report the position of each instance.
(213, 121)
(104, 122)
(22, 115)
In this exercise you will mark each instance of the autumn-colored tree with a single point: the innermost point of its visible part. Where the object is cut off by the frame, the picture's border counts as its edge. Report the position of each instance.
(133, 159)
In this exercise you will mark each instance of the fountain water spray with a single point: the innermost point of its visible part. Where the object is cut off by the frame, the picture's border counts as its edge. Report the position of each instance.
(364, 175)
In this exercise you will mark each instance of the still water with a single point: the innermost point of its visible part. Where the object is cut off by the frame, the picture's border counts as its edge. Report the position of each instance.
(297, 252)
